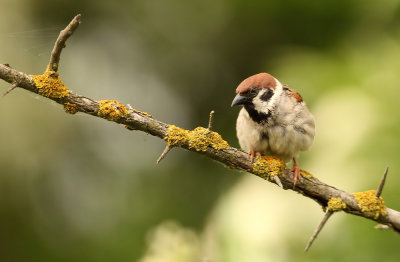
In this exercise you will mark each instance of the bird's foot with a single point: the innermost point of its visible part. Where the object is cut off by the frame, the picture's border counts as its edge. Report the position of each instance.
(296, 172)
(253, 154)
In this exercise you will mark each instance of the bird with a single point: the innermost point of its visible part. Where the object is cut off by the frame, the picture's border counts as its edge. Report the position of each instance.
(274, 119)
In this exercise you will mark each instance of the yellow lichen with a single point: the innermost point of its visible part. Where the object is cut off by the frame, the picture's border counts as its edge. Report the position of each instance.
(369, 204)
(49, 84)
(176, 136)
(306, 174)
(199, 139)
(70, 108)
(269, 166)
(336, 204)
(142, 113)
(112, 110)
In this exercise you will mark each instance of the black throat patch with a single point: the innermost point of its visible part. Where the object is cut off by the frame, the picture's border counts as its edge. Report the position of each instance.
(258, 117)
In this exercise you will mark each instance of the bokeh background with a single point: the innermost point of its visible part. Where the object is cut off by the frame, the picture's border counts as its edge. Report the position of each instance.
(78, 188)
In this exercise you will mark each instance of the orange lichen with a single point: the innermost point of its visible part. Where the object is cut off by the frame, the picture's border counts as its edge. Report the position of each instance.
(70, 108)
(142, 113)
(199, 139)
(306, 174)
(176, 136)
(49, 84)
(269, 166)
(370, 205)
(112, 110)
(336, 204)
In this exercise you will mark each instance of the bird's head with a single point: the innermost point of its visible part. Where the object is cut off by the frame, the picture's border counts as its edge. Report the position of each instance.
(258, 93)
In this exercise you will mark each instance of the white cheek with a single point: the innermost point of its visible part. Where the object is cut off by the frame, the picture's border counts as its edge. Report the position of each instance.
(266, 106)
(260, 105)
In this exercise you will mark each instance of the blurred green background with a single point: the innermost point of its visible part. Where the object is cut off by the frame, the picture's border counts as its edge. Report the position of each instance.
(78, 188)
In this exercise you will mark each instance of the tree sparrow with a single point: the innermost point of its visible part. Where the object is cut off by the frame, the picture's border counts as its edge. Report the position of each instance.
(274, 119)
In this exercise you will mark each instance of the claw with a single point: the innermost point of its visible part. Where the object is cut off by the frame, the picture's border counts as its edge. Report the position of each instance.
(253, 154)
(296, 172)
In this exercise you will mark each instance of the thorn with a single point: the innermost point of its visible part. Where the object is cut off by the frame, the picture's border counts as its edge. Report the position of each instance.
(382, 227)
(210, 121)
(13, 86)
(382, 184)
(164, 153)
(278, 181)
(328, 214)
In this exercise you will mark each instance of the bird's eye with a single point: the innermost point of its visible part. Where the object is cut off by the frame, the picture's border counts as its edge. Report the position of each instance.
(253, 90)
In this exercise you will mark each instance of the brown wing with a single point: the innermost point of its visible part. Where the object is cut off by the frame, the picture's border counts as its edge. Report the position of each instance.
(293, 93)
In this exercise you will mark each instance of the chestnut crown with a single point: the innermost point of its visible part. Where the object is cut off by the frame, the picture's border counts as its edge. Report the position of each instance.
(261, 80)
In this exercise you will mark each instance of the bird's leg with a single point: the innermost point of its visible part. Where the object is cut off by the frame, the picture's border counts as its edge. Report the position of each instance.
(253, 154)
(296, 172)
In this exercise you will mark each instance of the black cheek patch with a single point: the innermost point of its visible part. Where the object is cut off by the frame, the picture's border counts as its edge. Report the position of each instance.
(267, 95)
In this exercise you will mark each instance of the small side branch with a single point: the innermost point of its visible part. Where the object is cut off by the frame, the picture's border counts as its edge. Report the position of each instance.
(382, 227)
(164, 153)
(382, 184)
(60, 43)
(328, 214)
(278, 181)
(210, 120)
(13, 86)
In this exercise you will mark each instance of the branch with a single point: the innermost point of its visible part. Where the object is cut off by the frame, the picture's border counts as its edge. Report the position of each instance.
(60, 43)
(366, 204)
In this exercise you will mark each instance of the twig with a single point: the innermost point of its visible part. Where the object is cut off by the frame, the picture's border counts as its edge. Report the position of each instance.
(60, 43)
(278, 181)
(164, 153)
(130, 107)
(382, 184)
(382, 227)
(13, 86)
(328, 214)
(210, 120)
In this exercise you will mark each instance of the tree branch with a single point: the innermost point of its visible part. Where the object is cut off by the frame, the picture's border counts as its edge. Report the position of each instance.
(200, 140)
(60, 42)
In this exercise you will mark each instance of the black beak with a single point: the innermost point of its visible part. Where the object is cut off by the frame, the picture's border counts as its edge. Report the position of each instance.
(239, 100)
